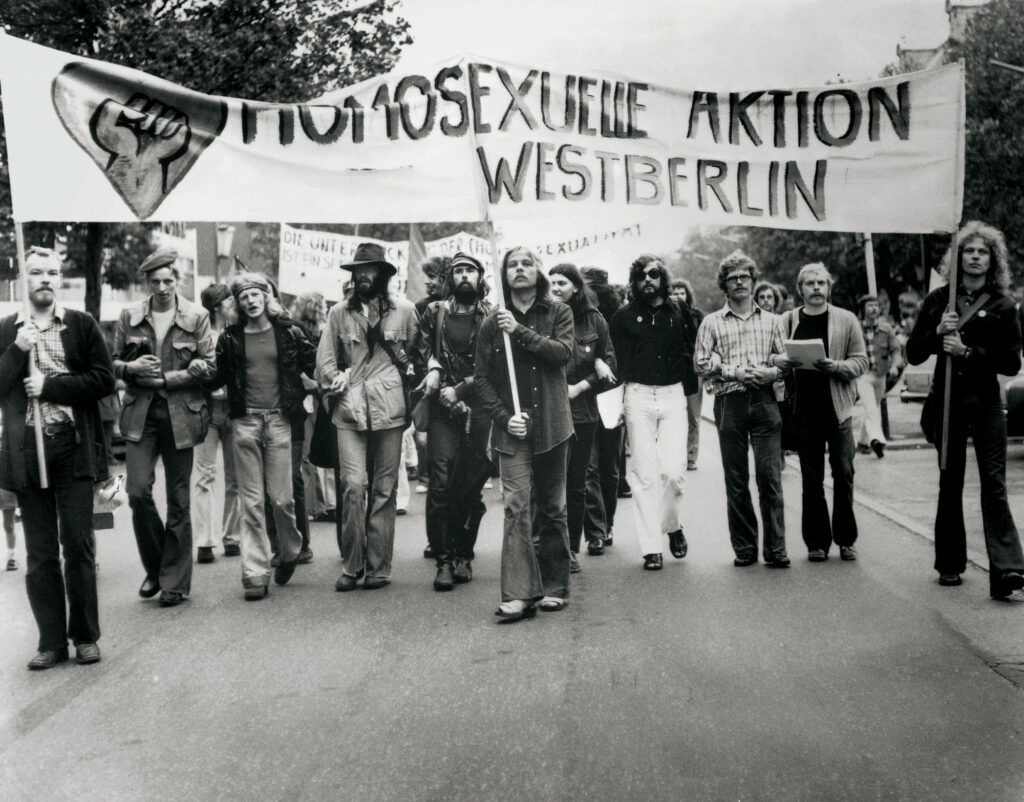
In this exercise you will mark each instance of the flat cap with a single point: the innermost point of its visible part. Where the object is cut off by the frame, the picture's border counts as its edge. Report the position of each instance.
(161, 257)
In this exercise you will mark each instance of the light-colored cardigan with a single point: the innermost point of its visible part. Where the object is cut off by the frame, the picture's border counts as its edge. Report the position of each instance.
(845, 346)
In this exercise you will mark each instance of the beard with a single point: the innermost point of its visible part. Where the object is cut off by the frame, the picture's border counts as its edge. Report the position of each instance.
(465, 293)
(366, 290)
(648, 290)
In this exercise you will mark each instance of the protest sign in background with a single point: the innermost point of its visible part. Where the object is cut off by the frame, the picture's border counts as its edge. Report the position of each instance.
(476, 139)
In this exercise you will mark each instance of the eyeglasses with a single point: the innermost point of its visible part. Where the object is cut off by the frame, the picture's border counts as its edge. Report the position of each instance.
(653, 272)
(740, 277)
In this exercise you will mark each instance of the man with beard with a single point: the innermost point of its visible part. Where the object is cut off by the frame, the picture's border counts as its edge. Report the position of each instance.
(458, 422)
(653, 340)
(734, 347)
(373, 333)
(533, 444)
(74, 374)
(825, 394)
(162, 350)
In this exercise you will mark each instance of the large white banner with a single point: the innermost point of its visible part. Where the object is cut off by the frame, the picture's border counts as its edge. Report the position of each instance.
(477, 139)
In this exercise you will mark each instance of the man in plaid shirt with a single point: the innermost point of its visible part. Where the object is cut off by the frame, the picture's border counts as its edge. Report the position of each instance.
(736, 346)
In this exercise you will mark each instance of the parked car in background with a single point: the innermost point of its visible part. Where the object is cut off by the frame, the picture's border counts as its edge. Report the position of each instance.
(916, 381)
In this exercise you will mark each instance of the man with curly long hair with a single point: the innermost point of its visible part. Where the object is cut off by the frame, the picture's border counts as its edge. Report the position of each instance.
(983, 338)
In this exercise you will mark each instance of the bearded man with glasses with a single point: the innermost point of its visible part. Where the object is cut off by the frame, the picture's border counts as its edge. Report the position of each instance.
(653, 339)
(735, 348)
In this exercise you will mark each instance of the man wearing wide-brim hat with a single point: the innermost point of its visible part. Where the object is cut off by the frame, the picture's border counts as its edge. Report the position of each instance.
(164, 414)
(365, 354)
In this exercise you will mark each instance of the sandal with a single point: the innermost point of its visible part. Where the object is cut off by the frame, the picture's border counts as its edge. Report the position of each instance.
(515, 610)
(552, 604)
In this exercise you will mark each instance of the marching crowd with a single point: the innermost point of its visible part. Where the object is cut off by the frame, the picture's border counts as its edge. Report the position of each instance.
(312, 411)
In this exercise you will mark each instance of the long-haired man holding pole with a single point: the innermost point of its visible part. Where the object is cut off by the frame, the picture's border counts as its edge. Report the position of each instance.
(983, 338)
(74, 374)
(532, 445)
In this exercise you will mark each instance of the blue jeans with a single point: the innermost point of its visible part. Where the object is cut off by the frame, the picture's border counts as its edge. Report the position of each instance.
(165, 549)
(744, 420)
(817, 428)
(368, 540)
(205, 474)
(986, 423)
(262, 444)
(527, 573)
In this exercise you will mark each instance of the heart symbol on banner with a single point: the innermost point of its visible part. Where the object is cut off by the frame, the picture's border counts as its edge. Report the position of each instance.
(143, 133)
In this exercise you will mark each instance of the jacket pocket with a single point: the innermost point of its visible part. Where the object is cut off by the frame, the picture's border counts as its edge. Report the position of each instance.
(352, 404)
(184, 350)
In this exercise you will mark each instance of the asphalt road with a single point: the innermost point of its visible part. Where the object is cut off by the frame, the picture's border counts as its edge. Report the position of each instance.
(839, 681)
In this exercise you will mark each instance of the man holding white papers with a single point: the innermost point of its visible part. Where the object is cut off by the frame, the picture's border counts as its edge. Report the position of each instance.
(825, 394)
(734, 346)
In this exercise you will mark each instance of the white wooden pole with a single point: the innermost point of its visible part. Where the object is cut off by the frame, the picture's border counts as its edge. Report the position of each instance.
(496, 268)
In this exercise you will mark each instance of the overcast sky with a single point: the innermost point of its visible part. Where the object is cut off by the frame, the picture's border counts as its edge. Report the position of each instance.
(684, 43)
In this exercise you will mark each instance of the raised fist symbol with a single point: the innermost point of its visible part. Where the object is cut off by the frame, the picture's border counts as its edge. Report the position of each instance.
(143, 138)
(146, 145)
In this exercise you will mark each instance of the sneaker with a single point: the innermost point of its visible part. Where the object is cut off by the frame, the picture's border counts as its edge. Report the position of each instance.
(205, 555)
(817, 555)
(848, 553)
(574, 564)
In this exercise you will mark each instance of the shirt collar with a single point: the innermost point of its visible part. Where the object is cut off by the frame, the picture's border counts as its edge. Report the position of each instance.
(58, 314)
(754, 310)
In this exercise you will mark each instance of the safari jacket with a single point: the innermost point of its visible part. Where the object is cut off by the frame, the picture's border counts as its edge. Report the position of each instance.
(374, 399)
(188, 338)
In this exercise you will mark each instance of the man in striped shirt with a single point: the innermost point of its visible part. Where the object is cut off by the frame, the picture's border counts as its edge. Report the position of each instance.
(735, 348)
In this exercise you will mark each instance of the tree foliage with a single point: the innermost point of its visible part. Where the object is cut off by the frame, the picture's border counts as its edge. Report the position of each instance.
(994, 165)
(263, 50)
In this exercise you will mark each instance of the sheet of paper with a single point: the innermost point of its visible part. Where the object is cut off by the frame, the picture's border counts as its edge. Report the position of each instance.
(609, 406)
(807, 352)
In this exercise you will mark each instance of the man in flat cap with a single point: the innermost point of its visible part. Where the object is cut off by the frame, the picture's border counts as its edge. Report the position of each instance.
(74, 374)
(164, 414)
(364, 356)
(459, 426)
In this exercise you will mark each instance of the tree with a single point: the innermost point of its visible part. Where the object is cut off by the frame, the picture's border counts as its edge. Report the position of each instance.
(994, 164)
(262, 50)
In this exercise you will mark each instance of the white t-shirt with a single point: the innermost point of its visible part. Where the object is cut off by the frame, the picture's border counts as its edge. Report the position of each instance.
(162, 324)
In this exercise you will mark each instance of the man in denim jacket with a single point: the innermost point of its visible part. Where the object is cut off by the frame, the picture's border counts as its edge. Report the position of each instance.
(354, 364)
(164, 414)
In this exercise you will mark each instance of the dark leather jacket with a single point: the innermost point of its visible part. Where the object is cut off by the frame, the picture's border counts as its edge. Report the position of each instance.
(295, 356)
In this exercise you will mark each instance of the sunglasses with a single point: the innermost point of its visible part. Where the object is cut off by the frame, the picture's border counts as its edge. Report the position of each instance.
(653, 272)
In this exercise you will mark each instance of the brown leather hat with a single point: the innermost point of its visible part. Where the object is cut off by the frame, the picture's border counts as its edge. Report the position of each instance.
(370, 253)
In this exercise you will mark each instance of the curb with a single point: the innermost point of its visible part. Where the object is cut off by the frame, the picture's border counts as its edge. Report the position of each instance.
(974, 557)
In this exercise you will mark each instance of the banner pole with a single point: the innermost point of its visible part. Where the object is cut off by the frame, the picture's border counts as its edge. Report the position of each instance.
(33, 369)
(947, 390)
(869, 261)
(496, 269)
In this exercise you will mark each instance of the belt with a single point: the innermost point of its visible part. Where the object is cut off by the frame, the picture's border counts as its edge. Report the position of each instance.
(53, 429)
(249, 411)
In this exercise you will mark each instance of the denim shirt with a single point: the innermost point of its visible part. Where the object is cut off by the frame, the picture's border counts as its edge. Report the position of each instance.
(188, 338)
(543, 343)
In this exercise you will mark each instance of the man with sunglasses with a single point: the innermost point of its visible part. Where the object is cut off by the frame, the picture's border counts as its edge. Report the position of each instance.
(654, 341)
(735, 346)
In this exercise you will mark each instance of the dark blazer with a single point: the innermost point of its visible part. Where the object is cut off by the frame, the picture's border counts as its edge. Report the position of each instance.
(993, 335)
(91, 378)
